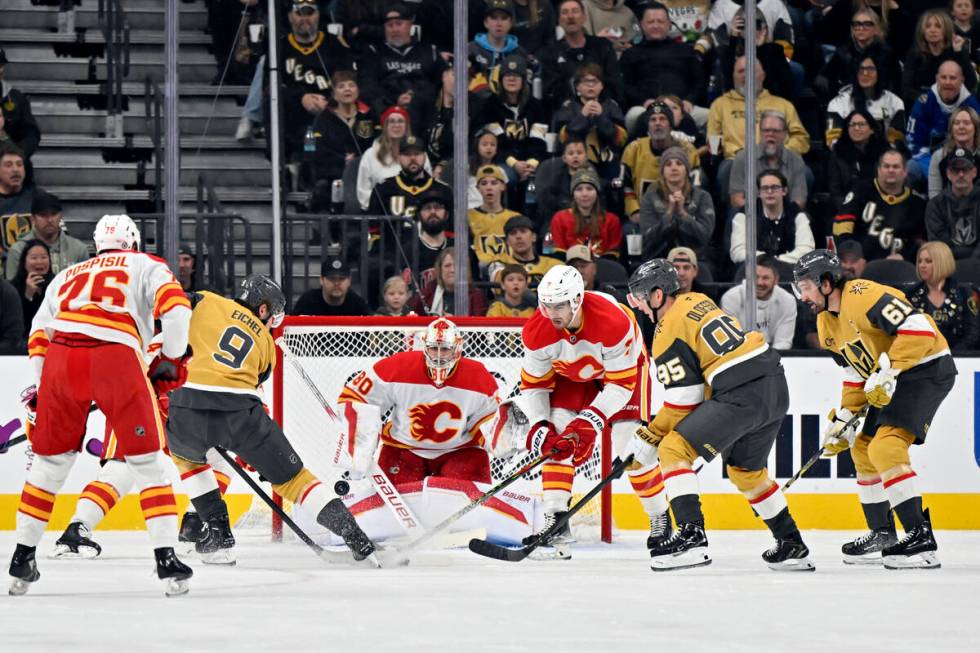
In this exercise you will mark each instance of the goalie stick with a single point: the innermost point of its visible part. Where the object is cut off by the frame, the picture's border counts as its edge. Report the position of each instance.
(815, 457)
(382, 484)
(490, 550)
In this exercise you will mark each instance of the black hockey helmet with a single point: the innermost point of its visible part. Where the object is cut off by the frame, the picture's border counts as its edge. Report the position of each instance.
(258, 289)
(816, 266)
(655, 273)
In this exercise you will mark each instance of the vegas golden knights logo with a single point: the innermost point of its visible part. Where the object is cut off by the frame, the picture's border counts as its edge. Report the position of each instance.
(396, 205)
(364, 129)
(857, 354)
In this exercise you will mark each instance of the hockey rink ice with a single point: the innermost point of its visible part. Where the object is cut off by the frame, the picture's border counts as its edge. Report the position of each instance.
(280, 597)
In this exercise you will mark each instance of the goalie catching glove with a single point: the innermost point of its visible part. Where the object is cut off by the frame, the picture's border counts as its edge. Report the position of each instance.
(880, 386)
(839, 436)
(167, 374)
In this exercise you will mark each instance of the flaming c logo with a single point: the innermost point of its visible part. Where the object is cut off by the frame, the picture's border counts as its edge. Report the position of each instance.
(438, 422)
(582, 369)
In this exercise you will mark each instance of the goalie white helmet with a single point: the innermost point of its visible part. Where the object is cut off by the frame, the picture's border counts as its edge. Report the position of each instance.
(443, 347)
(561, 284)
(116, 232)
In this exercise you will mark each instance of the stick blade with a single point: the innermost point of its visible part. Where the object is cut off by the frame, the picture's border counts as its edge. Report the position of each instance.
(497, 552)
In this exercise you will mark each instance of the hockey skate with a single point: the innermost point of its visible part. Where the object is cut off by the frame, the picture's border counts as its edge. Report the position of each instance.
(76, 542)
(555, 547)
(338, 519)
(917, 550)
(866, 550)
(172, 571)
(790, 554)
(216, 547)
(661, 528)
(23, 569)
(686, 548)
(192, 530)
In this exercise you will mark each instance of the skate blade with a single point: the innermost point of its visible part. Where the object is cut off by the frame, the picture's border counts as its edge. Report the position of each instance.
(220, 557)
(793, 564)
(866, 560)
(924, 560)
(556, 552)
(686, 560)
(65, 553)
(18, 587)
(176, 587)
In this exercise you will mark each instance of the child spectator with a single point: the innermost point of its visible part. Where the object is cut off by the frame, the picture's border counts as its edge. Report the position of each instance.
(516, 301)
(394, 298)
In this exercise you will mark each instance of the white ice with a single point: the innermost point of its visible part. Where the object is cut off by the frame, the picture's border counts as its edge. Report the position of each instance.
(281, 598)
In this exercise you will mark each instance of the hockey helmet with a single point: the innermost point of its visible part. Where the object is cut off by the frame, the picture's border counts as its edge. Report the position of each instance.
(258, 289)
(817, 266)
(116, 232)
(655, 273)
(561, 284)
(442, 345)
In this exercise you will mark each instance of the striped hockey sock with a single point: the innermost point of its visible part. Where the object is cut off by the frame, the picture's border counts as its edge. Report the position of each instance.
(648, 485)
(160, 512)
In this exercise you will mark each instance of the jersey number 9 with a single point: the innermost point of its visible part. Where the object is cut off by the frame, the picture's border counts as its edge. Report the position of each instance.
(236, 343)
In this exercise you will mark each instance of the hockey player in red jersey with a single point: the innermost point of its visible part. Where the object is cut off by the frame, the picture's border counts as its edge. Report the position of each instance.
(584, 369)
(87, 342)
(439, 403)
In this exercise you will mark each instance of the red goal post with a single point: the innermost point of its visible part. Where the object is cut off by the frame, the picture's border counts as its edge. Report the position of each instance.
(333, 349)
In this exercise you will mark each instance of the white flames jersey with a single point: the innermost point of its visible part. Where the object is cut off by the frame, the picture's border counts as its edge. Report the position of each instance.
(114, 297)
(427, 419)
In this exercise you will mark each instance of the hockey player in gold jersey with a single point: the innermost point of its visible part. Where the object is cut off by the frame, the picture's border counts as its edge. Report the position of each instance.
(898, 366)
(233, 355)
(725, 395)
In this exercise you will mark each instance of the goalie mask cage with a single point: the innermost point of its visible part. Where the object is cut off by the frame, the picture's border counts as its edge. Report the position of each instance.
(332, 350)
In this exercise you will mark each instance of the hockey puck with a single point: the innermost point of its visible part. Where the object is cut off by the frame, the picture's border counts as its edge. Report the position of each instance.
(341, 488)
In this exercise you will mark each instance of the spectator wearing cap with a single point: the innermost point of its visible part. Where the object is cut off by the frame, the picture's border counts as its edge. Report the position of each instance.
(434, 227)
(772, 154)
(438, 296)
(17, 122)
(15, 195)
(32, 278)
(515, 300)
(963, 133)
(594, 118)
(641, 159)
(46, 227)
(561, 59)
(775, 308)
(612, 20)
(587, 222)
(345, 130)
(487, 220)
(553, 180)
(659, 65)
(674, 213)
(782, 227)
(488, 49)
(380, 161)
(520, 250)
(310, 56)
(685, 261)
(334, 296)
(581, 258)
(187, 273)
(852, 260)
(402, 71)
(953, 216)
(399, 195)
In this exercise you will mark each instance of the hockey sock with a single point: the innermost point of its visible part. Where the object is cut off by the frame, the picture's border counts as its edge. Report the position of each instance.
(198, 480)
(769, 504)
(223, 481)
(94, 503)
(160, 513)
(782, 525)
(878, 515)
(905, 500)
(556, 481)
(874, 502)
(44, 480)
(682, 488)
(648, 485)
(209, 504)
(910, 513)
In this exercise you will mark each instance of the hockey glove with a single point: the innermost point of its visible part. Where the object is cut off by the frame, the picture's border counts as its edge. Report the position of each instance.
(838, 436)
(28, 397)
(643, 447)
(541, 437)
(583, 430)
(168, 374)
(880, 386)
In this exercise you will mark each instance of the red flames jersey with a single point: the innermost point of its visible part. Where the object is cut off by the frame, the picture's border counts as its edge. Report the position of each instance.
(427, 419)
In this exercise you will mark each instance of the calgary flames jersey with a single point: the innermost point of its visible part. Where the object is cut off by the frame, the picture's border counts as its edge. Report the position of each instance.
(699, 348)
(114, 297)
(424, 418)
(606, 348)
(233, 350)
(874, 318)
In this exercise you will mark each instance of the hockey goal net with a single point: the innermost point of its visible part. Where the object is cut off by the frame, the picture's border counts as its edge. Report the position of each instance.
(333, 350)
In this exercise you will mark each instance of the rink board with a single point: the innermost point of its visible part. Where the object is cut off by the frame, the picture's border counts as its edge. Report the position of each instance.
(948, 467)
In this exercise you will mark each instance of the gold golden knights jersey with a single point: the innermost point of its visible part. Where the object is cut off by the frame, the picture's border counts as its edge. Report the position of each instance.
(874, 318)
(233, 351)
(698, 348)
(487, 234)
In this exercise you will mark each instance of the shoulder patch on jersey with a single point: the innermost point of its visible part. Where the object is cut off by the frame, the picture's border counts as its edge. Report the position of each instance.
(923, 98)
(858, 287)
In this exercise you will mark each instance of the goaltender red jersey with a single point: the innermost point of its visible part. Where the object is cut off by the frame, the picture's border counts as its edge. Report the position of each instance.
(426, 419)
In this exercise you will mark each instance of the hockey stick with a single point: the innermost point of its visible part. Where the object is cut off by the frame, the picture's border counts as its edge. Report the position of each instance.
(12, 442)
(815, 457)
(490, 550)
(382, 484)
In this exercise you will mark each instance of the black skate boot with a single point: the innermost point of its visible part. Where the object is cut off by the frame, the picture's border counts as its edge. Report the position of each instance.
(555, 547)
(192, 529)
(790, 554)
(866, 550)
(661, 528)
(917, 550)
(216, 546)
(687, 547)
(23, 569)
(338, 520)
(76, 542)
(172, 571)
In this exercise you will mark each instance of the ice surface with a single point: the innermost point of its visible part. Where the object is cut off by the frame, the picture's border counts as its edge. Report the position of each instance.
(281, 598)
